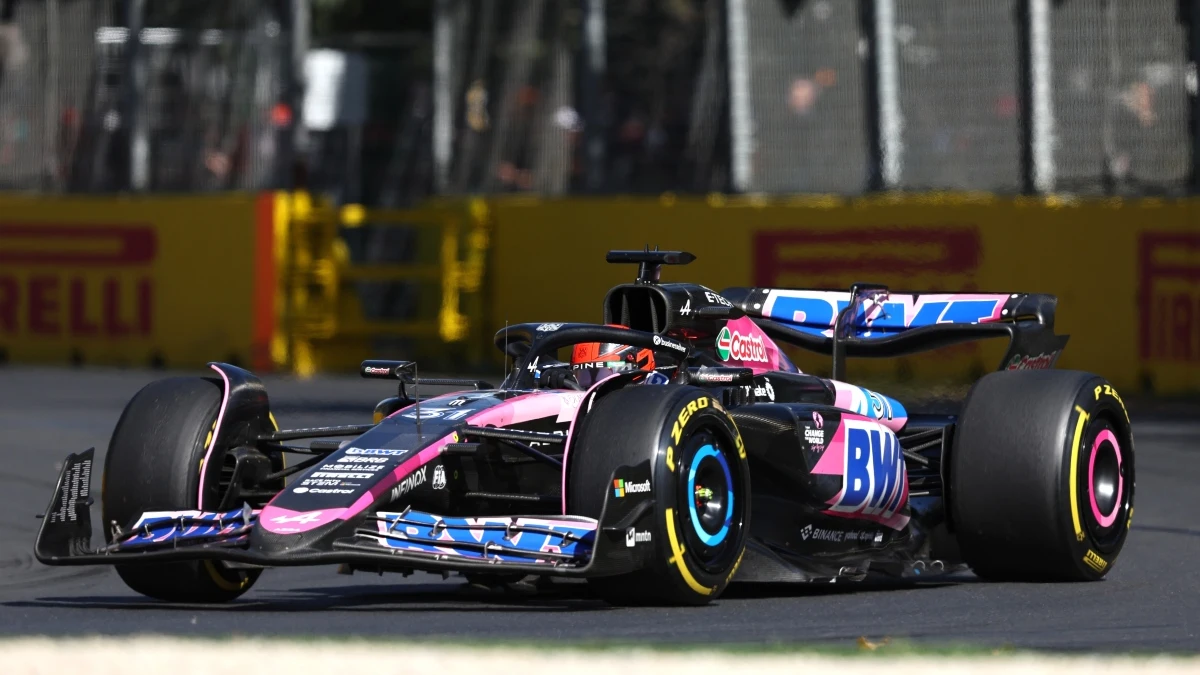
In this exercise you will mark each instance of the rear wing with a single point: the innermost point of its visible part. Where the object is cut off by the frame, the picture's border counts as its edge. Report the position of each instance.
(871, 321)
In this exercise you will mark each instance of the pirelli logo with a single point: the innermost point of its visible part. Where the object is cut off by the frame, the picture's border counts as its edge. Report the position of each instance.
(76, 281)
(1169, 296)
(82, 245)
(1094, 561)
(814, 258)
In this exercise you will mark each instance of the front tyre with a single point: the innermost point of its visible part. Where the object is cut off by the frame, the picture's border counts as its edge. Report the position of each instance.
(154, 464)
(1042, 476)
(701, 489)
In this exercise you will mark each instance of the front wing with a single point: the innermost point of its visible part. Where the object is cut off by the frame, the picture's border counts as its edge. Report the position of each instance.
(408, 540)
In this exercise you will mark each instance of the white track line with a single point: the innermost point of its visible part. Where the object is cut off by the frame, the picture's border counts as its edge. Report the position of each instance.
(105, 656)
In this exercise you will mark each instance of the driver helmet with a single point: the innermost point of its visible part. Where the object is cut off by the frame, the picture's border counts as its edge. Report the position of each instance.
(594, 361)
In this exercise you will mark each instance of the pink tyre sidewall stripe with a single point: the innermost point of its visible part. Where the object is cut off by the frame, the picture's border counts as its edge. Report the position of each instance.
(1105, 520)
(216, 430)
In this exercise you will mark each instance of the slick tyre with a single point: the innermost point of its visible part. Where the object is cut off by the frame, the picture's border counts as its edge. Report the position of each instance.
(153, 464)
(1042, 476)
(700, 490)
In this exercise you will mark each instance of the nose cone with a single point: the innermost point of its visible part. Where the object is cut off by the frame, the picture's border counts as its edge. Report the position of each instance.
(281, 532)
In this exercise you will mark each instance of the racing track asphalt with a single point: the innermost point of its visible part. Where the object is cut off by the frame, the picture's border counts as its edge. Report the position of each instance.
(1150, 601)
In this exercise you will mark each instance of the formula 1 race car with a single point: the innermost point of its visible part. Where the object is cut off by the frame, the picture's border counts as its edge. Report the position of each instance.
(677, 450)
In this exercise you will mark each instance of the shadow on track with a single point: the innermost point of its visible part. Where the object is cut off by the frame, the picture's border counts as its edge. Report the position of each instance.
(1169, 530)
(550, 598)
(409, 598)
(872, 584)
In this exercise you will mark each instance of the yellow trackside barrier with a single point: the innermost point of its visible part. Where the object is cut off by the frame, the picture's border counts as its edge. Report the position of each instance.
(351, 270)
(166, 280)
(1126, 272)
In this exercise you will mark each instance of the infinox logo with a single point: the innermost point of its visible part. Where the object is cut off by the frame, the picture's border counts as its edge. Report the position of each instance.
(875, 476)
(732, 345)
(407, 485)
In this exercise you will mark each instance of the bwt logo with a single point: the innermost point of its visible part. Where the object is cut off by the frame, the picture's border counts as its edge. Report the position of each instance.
(819, 309)
(875, 475)
(76, 280)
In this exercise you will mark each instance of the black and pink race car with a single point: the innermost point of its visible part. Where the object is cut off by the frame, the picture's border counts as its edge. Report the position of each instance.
(678, 450)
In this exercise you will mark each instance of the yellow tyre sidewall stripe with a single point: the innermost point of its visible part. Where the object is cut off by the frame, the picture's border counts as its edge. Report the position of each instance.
(212, 568)
(1074, 474)
(677, 559)
(220, 580)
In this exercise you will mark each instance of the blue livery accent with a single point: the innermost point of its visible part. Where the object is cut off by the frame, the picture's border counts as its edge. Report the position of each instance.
(814, 312)
(522, 539)
(156, 527)
(656, 378)
(710, 539)
(874, 471)
(873, 404)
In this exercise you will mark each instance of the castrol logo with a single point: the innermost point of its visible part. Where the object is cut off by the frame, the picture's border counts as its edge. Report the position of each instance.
(732, 345)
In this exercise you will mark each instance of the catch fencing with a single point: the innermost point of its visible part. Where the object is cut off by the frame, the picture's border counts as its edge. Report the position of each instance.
(1095, 97)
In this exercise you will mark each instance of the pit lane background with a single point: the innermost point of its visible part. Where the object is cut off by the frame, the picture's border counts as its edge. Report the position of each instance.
(265, 280)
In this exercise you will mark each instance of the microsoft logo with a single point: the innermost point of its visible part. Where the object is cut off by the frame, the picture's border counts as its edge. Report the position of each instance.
(621, 487)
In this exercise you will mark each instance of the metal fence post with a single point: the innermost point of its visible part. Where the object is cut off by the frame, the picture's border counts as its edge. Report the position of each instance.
(132, 119)
(1190, 17)
(444, 86)
(1038, 140)
(885, 122)
(741, 116)
(867, 52)
(595, 33)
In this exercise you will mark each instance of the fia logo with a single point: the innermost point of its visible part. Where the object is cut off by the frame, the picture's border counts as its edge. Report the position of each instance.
(439, 477)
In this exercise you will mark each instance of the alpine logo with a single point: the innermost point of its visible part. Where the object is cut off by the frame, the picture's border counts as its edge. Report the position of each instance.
(875, 476)
(732, 345)
(434, 413)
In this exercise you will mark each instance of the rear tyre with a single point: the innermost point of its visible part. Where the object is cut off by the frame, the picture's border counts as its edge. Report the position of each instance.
(153, 464)
(1042, 476)
(700, 486)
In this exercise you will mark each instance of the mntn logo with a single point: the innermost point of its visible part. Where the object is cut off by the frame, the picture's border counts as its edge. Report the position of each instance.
(874, 471)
